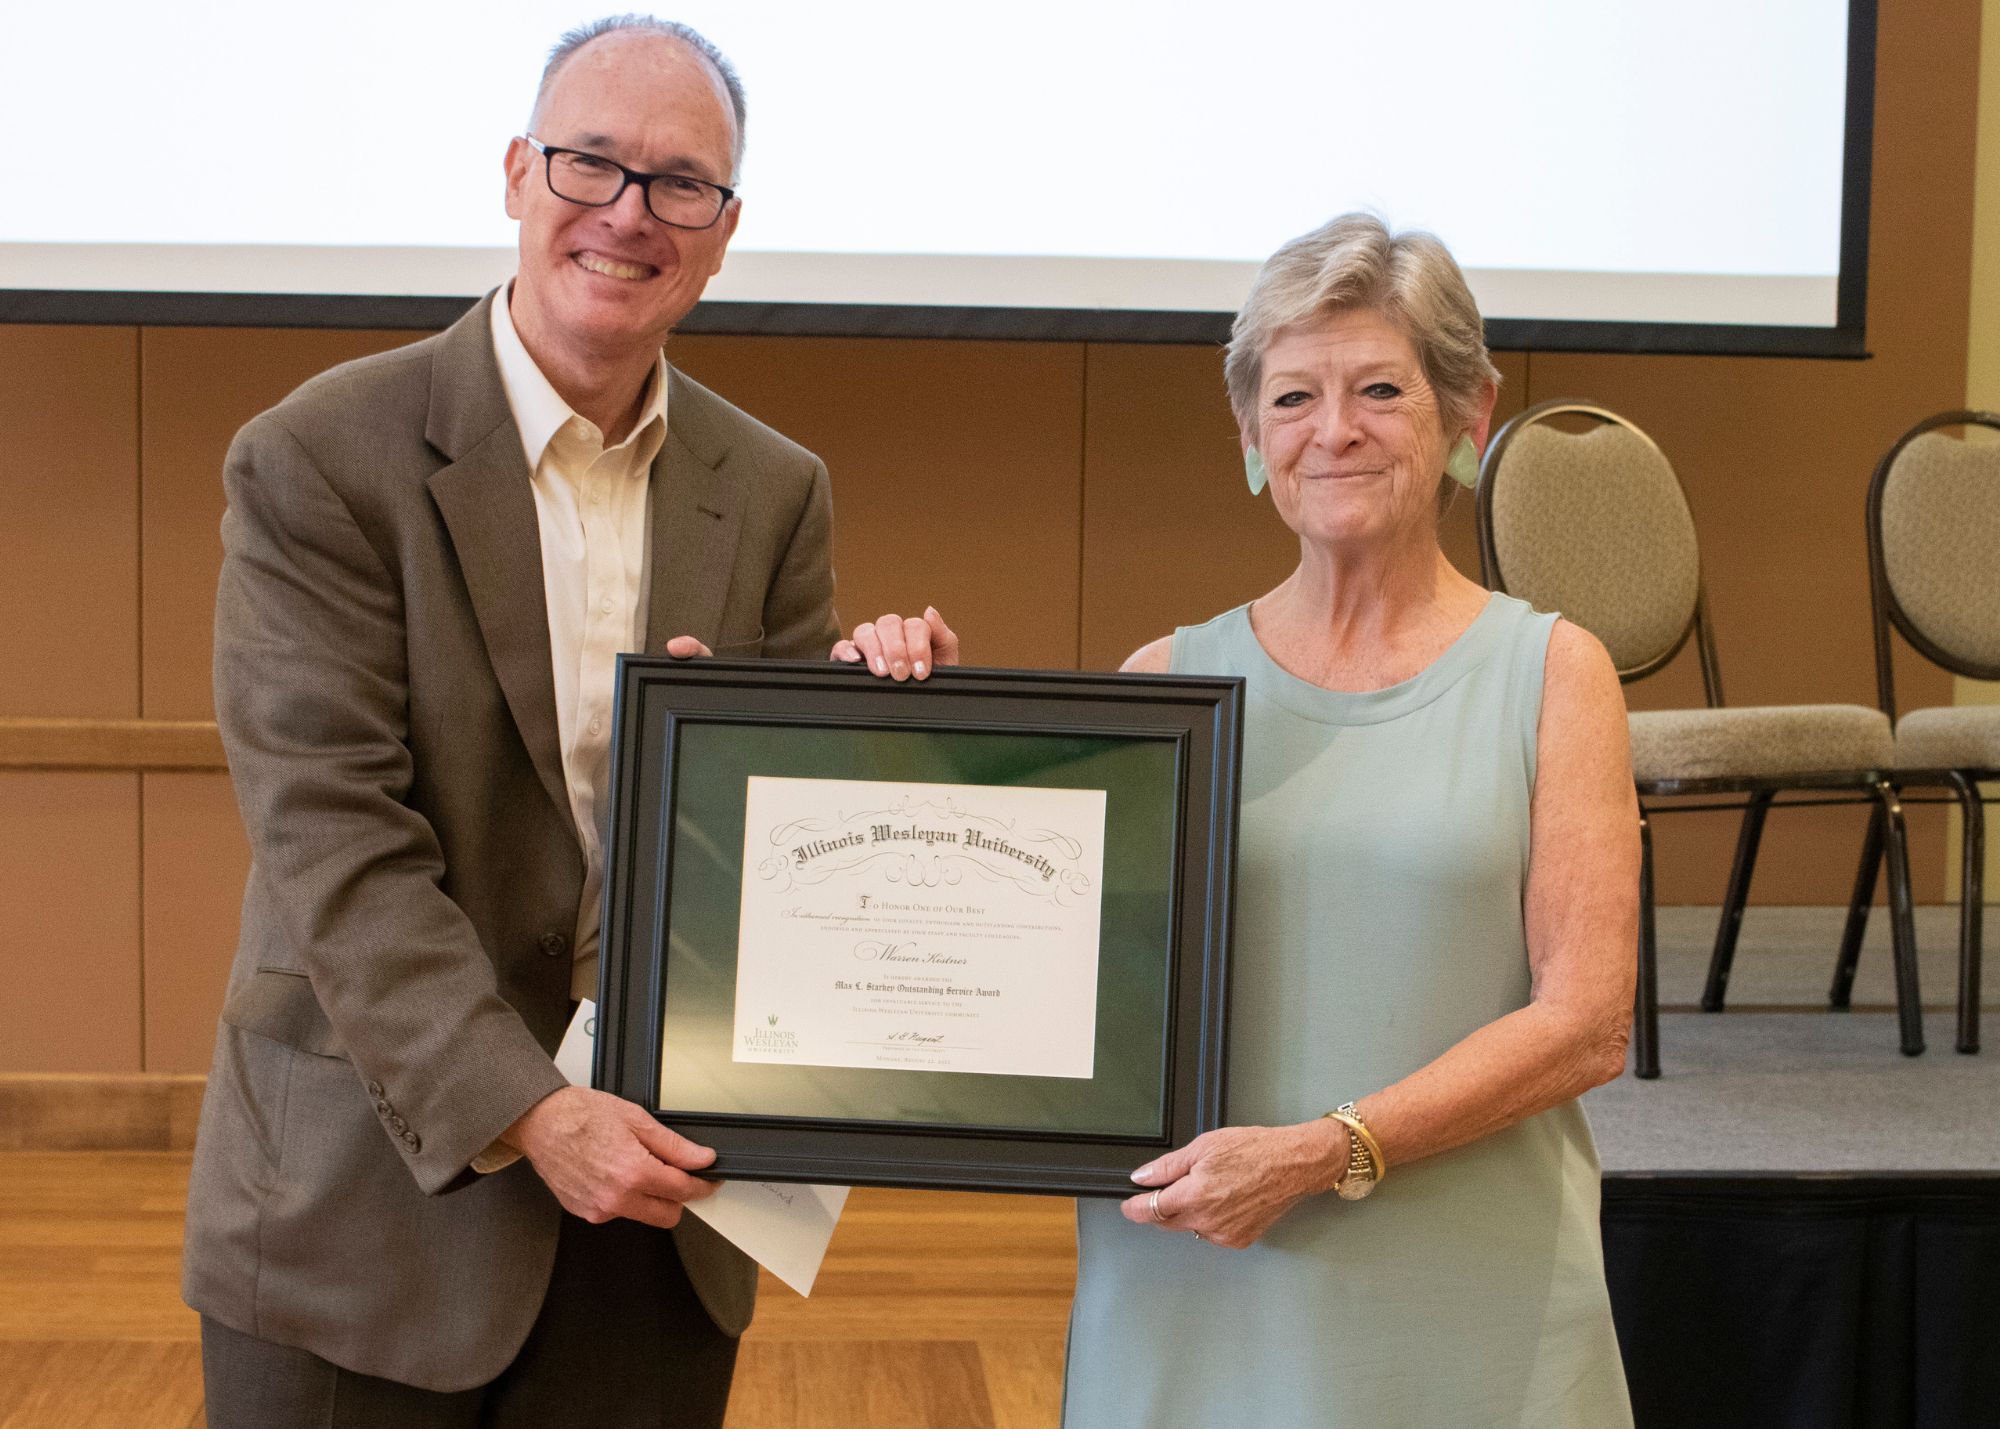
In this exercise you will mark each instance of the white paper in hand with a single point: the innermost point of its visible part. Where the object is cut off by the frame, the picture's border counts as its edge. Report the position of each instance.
(784, 1228)
(579, 1045)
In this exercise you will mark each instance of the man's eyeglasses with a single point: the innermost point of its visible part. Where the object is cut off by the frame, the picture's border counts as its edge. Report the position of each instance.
(678, 200)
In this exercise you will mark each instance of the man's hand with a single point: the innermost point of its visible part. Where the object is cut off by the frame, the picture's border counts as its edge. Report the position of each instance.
(605, 1158)
(683, 647)
(900, 647)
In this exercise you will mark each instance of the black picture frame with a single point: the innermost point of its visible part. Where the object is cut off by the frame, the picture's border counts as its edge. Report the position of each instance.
(1184, 732)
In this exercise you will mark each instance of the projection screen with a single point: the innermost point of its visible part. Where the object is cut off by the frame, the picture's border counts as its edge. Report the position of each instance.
(1623, 177)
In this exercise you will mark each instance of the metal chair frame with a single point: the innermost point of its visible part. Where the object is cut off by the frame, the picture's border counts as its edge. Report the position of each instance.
(1962, 784)
(1754, 796)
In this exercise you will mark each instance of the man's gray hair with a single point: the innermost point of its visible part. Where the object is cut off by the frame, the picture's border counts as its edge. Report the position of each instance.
(582, 35)
(1355, 263)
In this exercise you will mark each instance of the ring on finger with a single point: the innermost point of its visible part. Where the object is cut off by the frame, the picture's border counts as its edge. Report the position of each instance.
(1153, 1204)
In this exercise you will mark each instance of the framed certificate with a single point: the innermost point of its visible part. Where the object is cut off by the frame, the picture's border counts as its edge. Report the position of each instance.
(970, 932)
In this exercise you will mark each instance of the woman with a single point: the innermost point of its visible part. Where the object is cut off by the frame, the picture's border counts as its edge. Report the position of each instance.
(1437, 907)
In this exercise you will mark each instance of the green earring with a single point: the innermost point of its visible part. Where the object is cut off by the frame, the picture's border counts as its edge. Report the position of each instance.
(1253, 468)
(1462, 466)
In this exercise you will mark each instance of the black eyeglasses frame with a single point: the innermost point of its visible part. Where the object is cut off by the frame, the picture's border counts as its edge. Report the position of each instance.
(629, 177)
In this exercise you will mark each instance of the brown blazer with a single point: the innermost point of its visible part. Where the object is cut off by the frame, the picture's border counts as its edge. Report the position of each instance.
(384, 688)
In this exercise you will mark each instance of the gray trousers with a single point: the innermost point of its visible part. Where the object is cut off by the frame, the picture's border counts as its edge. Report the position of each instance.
(621, 1341)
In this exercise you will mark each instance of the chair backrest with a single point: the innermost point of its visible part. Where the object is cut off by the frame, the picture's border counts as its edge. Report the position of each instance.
(1594, 524)
(1934, 548)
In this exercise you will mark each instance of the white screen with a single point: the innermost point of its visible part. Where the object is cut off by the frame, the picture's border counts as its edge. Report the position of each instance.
(1641, 163)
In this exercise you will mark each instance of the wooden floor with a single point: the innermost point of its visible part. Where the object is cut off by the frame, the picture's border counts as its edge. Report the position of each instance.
(932, 1309)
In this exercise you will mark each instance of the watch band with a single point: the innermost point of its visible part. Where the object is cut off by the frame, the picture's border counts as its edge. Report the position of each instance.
(1365, 1166)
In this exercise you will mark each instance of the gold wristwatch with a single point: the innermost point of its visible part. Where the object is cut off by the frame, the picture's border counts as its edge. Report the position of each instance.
(1365, 1166)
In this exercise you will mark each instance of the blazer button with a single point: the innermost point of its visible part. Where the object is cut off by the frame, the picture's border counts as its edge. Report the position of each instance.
(375, 1089)
(554, 944)
(398, 1124)
(413, 1141)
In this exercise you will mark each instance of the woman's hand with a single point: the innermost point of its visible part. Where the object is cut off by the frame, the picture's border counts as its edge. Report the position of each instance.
(1231, 1185)
(900, 647)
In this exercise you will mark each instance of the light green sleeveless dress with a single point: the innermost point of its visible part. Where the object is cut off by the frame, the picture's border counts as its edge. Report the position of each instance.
(1380, 876)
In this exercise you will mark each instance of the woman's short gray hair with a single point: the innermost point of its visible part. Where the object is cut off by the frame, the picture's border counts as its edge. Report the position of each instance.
(1355, 263)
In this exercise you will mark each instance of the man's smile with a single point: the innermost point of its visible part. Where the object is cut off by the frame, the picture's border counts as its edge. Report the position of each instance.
(613, 267)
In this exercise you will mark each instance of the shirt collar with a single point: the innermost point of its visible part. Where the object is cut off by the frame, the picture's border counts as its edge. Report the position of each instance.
(539, 410)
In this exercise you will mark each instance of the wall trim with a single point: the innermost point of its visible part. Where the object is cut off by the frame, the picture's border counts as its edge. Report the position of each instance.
(124, 744)
(89, 1111)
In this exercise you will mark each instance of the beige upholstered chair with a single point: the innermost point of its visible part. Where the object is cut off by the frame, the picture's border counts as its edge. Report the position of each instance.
(1594, 524)
(1934, 573)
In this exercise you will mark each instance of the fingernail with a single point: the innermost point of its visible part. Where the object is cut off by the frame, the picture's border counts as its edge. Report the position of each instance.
(1142, 1173)
(881, 666)
(920, 669)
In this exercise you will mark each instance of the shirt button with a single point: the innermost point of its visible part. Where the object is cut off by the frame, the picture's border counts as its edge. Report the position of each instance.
(554, 944)
(605, 605)
(596, 725)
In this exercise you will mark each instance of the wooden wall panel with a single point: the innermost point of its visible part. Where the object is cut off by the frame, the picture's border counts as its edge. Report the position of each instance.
(69, 956)
(69, 521)
(1776, 457)
(1172, 535)
(197, 386)
(195, 860)
(957, 474)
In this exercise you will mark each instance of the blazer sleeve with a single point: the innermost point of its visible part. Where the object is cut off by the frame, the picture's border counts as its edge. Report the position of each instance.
(799, 620)
(312, 700)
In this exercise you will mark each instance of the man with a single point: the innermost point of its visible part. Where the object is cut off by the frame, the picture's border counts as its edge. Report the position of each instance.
(399, 1213)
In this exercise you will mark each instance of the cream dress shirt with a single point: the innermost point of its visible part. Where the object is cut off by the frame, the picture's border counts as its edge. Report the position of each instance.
(591, 502)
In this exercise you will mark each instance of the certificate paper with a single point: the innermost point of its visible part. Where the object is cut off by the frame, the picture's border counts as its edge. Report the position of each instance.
(945, 927)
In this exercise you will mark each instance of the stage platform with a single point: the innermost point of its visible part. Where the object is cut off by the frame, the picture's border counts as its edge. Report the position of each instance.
(1802, 1225)
(1778, 1084)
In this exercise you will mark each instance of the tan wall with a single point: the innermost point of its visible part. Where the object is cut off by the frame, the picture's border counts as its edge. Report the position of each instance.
(1062, 502)
(1982, 367)
(1982, 373)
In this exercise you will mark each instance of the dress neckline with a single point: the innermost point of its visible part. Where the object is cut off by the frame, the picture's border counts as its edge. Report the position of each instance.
(1315, 702)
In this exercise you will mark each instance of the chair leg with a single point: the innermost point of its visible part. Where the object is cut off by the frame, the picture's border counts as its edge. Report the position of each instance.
(1842, 992)
(1971, 909)
(1646, 1006)
(1747, 839)
(1902, 923)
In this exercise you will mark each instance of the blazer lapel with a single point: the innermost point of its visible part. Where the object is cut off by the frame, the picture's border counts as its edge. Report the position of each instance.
(489, 511)
(697, 514)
